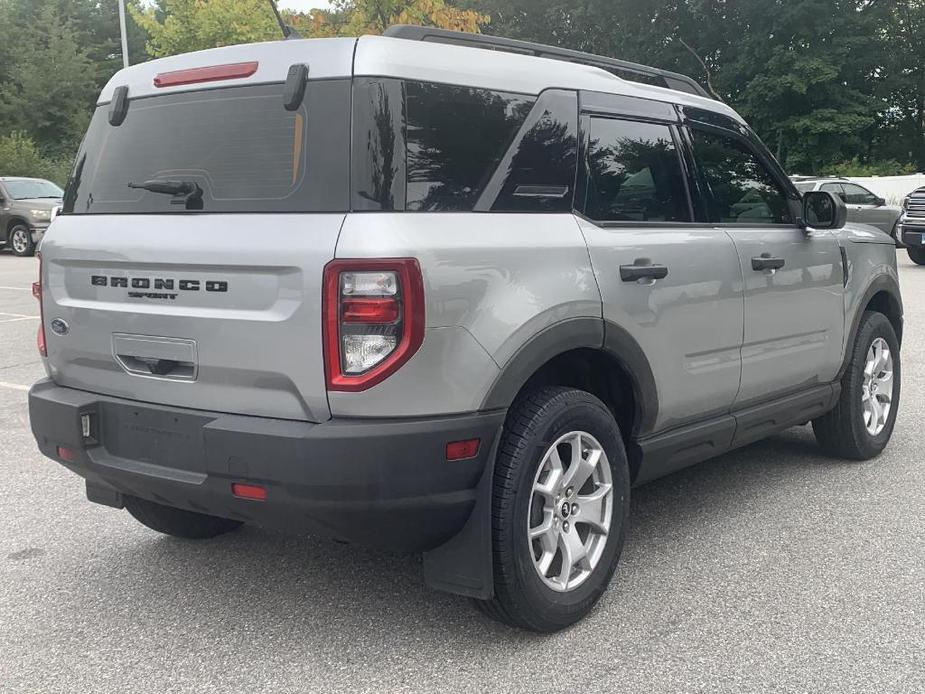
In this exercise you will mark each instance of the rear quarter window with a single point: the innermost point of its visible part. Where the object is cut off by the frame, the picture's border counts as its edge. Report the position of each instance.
(426, 147)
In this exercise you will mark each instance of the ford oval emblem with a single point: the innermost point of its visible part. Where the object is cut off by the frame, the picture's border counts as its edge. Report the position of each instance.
(59, 326)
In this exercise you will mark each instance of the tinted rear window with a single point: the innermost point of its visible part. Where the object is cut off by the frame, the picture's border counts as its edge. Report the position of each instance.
(240, 145)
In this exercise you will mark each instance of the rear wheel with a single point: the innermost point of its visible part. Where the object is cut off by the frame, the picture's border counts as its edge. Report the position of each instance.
(177, 522)
(560, 508)
(20, 239)
(861, 424)
(917, 255)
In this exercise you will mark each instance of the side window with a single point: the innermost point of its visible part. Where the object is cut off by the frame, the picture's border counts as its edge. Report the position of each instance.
(743, 190)
(634, 173)
(856, 195)
(537, 173)
(835, 188)
(455, 138)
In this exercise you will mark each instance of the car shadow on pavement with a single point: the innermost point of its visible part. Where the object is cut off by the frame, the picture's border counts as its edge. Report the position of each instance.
(284, 585)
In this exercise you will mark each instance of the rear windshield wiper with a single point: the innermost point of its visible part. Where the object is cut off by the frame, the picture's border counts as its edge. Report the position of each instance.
(183, 192)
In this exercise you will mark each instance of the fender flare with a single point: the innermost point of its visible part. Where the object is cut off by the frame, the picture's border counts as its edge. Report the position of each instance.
(881, 283)
(577, 333)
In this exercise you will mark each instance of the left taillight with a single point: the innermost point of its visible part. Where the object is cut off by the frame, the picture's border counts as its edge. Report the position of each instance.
(373, 319)
(37, 293)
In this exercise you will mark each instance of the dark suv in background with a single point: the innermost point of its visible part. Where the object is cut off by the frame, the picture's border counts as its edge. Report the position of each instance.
(911, 226)
(27, 206)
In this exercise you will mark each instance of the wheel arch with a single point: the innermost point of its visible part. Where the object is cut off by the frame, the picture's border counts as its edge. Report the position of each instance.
(882, 296)
(588, 353)
(13, 222)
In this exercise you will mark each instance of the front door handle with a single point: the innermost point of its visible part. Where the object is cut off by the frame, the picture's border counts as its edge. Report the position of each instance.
(766, 262)
(643, 269)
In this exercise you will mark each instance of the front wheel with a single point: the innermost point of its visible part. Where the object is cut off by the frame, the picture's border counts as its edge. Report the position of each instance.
(21, 240)
(862, 422)
(916, 255)
(560, 509)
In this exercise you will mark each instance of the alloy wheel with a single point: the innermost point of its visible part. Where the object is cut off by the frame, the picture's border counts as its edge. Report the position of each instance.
(571, 508)
(877, 389)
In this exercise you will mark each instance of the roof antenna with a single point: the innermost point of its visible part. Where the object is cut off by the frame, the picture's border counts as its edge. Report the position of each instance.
(288, 31)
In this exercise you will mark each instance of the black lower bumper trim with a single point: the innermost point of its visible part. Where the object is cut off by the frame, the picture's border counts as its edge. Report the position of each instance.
(382, 482)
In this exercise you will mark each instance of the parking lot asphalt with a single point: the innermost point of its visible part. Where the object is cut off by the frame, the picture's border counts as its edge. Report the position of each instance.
(770, 569)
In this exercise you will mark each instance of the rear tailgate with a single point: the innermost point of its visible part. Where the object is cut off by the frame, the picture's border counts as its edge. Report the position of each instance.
(142, 294)
(185, 268)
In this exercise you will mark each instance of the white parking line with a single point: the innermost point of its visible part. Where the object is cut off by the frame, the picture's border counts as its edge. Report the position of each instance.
(13, 386)
(18, 289)
(13, 320)
(17, 315)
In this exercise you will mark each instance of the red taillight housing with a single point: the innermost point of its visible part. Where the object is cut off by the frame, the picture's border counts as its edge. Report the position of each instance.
(372, 318)
(37, 293)
(212, 73)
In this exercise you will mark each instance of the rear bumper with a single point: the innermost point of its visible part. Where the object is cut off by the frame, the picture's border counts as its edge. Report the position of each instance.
(379, 482)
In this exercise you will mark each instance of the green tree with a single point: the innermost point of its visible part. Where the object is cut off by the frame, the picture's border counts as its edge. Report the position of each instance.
(49, 89)
(179, 26)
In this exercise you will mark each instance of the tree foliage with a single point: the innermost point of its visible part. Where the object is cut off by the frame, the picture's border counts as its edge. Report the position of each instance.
(180, 26)
(830, 85)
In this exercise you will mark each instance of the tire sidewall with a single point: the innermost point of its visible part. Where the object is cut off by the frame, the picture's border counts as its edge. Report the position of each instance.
(565, 416)
(873, 325)
(916, 255)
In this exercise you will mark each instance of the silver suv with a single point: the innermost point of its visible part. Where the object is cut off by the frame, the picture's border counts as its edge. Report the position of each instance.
(864, 207)
(408, 292)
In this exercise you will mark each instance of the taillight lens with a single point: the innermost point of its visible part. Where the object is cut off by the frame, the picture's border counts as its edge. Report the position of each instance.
(373, 319)
(37, 293)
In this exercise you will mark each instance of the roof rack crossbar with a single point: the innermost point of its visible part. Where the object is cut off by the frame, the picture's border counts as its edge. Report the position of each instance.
(622, 68)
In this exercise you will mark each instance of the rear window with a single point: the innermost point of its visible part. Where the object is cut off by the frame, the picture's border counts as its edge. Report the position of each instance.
(239, 145)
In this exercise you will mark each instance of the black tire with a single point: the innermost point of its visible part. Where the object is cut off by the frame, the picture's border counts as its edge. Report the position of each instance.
(916, 255)
(19, 239)
(535, 422)
(842, 432)
(177, 522)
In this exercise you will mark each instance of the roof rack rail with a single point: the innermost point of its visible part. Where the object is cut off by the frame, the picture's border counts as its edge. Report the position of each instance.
(621, 68)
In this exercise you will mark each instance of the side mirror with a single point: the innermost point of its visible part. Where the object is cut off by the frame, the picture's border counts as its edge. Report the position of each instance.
(823, 210)
(880, 202)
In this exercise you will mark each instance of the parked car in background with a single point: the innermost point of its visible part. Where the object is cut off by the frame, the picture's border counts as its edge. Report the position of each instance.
(911, 225)
(864, 207)
(27, 206)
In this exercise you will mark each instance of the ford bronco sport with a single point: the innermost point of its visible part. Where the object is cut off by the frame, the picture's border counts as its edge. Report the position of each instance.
(409, 292)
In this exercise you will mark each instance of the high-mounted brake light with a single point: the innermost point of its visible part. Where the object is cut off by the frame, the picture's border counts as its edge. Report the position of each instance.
(373, 319)
(37, 293)
(212, 73)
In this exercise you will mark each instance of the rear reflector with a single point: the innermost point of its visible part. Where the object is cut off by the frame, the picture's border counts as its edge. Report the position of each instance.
(213, 73)
(369, 310)
(253, 492)
(68, 455)
(462, 450)
(37, 293)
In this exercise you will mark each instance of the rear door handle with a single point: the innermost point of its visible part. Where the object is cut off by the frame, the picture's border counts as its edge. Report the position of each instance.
(643, 269)
(766, 262)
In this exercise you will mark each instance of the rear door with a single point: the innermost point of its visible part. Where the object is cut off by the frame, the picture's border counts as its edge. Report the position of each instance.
(794, 307)
(208, 301)
(674, 286)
